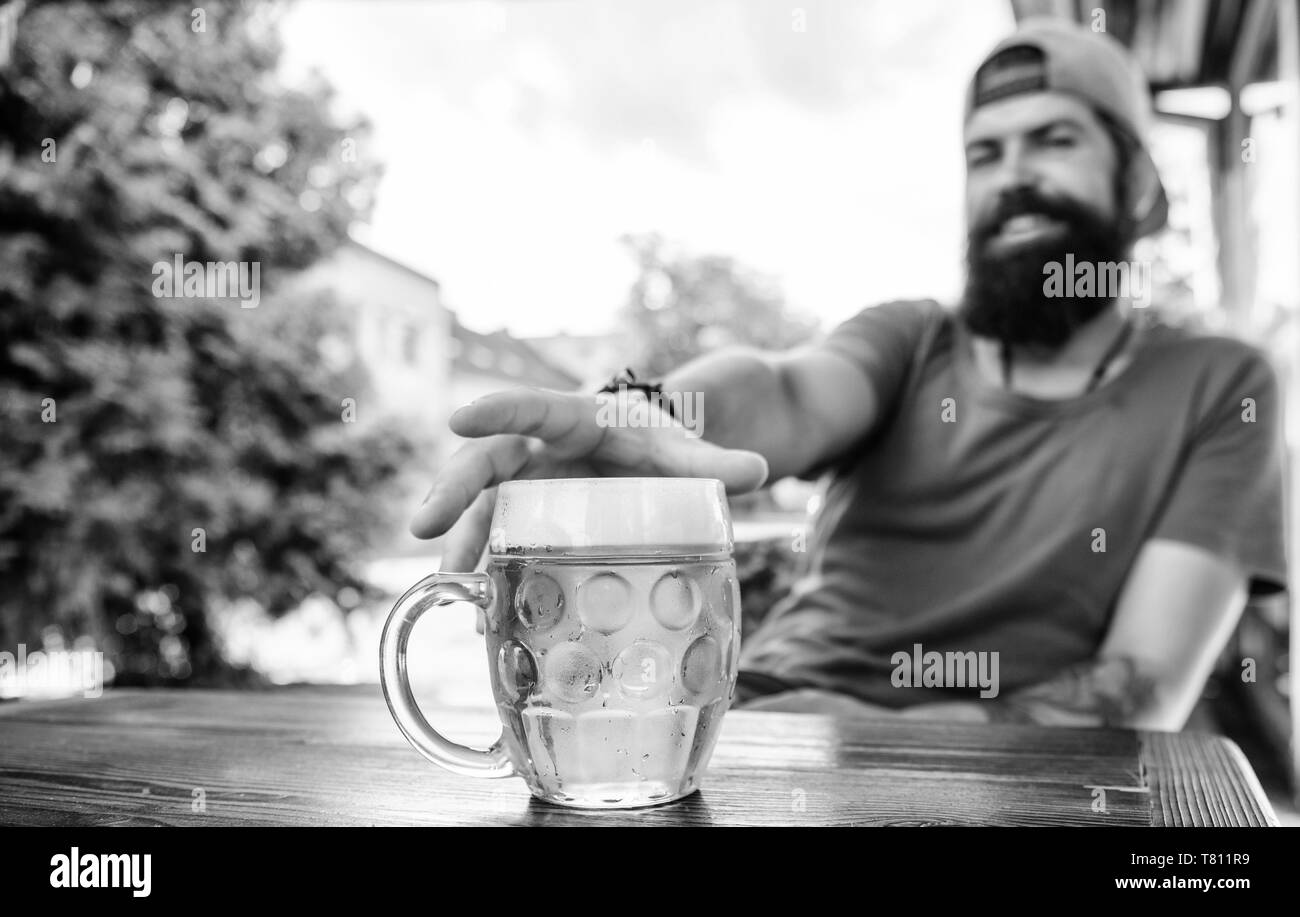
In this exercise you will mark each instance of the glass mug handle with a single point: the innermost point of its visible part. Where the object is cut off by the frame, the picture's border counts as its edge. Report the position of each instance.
(434, 591)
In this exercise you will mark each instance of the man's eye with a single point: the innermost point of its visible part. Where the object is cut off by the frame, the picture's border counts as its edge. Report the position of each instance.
(979, 158)
(1060, 140)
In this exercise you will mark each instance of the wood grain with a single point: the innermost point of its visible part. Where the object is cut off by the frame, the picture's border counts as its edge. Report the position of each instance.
(1203, 780)
(334, 757)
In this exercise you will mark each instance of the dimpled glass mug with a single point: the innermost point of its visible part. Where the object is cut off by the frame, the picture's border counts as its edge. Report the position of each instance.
(613, 635)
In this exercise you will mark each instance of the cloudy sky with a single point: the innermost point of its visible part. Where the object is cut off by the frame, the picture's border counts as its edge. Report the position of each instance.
(521, 139)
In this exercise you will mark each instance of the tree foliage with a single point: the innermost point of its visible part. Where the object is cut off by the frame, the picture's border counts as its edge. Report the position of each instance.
(131, 424)
(682, 305)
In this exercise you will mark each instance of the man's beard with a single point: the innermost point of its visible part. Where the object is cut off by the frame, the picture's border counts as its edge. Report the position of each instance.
(1004, 296)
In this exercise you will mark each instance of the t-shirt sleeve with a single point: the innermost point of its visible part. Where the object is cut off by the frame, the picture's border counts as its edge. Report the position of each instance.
(1228, 498)
(883, 341)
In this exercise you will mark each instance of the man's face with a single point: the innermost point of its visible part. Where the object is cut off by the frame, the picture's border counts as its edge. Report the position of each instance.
(1041, 174)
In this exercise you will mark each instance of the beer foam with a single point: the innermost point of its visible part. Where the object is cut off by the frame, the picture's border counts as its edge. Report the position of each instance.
(677, 515)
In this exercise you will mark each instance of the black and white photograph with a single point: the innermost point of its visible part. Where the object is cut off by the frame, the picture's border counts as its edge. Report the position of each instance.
(649, 413)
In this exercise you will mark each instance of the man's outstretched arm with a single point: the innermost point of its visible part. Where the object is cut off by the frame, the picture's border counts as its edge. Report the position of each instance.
(797, 409)
(763, 416)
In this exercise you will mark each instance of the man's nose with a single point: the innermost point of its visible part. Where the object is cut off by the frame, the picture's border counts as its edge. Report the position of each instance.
(1014, 171)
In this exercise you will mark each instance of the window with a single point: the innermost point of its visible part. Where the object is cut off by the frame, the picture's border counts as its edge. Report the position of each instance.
(411, 345)
(481, 357)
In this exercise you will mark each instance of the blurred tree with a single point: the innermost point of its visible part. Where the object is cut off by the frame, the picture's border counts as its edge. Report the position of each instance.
(160, 454)
(683, 305)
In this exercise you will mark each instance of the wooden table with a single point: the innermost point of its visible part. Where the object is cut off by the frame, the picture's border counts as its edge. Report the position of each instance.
(312, 756)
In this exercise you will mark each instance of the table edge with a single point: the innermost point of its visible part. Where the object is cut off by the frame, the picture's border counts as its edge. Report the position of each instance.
(1154, 757)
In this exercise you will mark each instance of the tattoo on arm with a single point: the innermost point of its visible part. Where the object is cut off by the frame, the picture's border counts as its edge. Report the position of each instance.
(1106, 692)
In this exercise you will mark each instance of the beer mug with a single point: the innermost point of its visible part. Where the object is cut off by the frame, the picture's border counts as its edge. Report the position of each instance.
(613, 634)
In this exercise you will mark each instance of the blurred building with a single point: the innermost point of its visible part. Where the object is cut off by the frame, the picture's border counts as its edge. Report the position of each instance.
(401, 333)
(484, 363)
(593, 358)
(421, 361)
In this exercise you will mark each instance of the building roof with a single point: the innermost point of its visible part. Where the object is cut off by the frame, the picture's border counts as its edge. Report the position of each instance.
(367, 251)
(498, 354)
(505, 356)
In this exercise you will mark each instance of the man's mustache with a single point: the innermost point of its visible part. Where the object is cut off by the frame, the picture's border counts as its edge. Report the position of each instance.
(1021, 201)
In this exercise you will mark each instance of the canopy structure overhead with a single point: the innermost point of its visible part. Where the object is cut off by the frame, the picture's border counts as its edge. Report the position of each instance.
(1182, 43)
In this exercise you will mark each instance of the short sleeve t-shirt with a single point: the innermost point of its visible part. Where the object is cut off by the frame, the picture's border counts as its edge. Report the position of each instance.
(973, 518)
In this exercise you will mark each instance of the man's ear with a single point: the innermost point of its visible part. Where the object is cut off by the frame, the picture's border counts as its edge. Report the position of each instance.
(1145, 201)
(1146, 207)
(1142, 202)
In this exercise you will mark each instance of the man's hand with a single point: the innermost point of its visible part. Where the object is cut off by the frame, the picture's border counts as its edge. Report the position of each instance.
(534, 433)
(1105, 692)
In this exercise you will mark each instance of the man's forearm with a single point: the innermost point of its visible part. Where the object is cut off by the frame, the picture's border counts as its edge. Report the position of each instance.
(742, 403)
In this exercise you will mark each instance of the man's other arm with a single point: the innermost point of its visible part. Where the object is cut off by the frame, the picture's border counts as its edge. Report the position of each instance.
(1174, 616)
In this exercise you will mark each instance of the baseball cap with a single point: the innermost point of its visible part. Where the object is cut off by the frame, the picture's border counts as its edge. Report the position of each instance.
(1050, 54)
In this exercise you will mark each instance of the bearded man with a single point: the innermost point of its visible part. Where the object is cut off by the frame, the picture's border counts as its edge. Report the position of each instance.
(1065, 496)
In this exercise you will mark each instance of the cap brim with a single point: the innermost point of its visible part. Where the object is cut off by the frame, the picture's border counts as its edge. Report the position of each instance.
(1151, 210)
